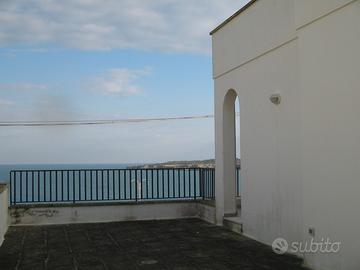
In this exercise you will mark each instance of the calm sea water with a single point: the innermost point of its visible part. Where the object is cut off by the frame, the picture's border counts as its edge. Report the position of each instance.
(5, 169)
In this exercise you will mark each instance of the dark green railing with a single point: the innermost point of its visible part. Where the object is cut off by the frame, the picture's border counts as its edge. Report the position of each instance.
(111, 185)
(99, 185)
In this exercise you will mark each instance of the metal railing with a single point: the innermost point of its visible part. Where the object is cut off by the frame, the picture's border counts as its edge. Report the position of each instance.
(99, 185)
(112, 185)
(237, 176)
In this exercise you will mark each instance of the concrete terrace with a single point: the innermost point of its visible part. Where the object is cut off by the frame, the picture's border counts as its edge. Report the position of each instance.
(168, 244)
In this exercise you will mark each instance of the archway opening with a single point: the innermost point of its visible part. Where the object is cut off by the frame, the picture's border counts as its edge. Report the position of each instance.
(231, 152)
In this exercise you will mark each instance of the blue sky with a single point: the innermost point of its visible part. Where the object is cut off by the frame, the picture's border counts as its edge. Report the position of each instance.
(106, 60)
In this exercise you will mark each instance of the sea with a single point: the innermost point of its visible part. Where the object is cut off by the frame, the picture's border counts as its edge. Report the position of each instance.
(6, 168)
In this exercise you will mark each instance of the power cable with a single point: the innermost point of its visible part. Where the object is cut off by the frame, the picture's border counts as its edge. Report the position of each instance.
(98, 122)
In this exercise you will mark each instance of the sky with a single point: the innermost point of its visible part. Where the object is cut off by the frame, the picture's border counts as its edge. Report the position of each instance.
(96, 59)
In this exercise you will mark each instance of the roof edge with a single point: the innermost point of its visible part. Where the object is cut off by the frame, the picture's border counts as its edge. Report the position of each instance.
(232, 17)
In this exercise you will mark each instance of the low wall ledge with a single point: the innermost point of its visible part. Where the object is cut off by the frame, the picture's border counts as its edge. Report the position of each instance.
(87, 204)
(207, 202)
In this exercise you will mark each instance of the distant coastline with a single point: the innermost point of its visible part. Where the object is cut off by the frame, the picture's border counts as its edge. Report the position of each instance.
(206, 163)
(6, 168)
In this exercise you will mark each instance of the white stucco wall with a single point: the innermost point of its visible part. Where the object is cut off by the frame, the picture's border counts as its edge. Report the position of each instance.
(3, 212)
(270, 149)
(269, 134)
(329, 62)
(301, 159)
(307, 11)
(252, 33)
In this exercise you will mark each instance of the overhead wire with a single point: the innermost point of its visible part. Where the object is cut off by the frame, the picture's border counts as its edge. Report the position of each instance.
(99, 121)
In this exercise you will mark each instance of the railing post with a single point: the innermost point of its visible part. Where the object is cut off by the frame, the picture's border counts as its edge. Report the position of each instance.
(136, 185)
(213, 182)
(73, 173)
(14, 187)
(11, 188)
(202, 184)
(194, 183)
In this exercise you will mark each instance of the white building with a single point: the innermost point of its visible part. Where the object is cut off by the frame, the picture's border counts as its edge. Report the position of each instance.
(300, 158)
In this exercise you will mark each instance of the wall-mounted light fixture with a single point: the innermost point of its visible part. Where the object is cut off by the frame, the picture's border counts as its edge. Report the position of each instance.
(275, 99)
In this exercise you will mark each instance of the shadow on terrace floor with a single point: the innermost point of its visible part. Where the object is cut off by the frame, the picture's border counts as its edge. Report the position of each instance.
(169, 244)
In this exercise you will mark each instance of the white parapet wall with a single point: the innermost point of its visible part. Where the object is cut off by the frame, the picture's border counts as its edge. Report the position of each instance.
(3, 211)
(206, 211)
(92, 213)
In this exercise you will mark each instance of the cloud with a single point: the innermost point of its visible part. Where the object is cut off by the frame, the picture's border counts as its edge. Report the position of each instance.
(120, 81)
(22, 87)
(161, 25)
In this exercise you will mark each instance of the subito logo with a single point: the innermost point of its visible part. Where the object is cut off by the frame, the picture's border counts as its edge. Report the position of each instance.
(280, 246)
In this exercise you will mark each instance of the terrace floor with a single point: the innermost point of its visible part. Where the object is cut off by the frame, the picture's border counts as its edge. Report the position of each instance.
(170, 244)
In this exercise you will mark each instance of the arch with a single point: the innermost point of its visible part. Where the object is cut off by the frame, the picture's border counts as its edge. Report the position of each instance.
(225, 153)
(229, 148)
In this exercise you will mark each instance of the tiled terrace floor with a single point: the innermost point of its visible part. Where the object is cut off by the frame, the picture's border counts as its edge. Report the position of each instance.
(171, 244)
